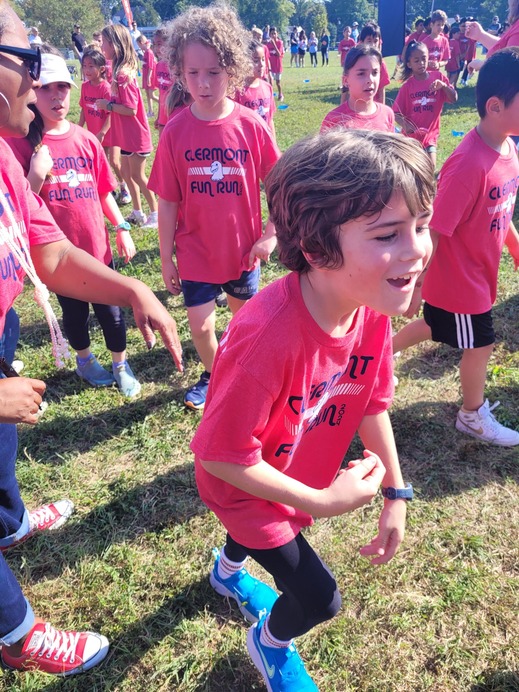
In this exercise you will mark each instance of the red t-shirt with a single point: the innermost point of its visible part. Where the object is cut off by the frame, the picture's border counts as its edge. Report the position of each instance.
(384, 81)
(453, 65)
(509, 38)
(415, 36)
(260, 99)
(32, 223)
(276, 61)
(80, 174)
(383, 119)
(149, 63)
(344, 47)
(163, 82)
(213, 170)
(130, 132)
(422, 107)
(477, 189)
(95, 117)
(467, 48)
(266, 71)
(302, 395)
(438, 47)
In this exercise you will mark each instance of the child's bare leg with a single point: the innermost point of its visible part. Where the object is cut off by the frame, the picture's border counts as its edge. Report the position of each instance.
(473, 375)
(114, 157)
(413, 333)
(280, 91)
(432, 155)
(234, 304)
(138, 174)
(132, 186)
(202, 324)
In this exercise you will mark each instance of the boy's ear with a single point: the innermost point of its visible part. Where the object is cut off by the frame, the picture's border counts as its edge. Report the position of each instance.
(494, 105)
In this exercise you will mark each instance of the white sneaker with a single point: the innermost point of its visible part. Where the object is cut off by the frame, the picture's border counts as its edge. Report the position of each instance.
(483, 425)
(138, 218)
(124, 197)
(152, 221)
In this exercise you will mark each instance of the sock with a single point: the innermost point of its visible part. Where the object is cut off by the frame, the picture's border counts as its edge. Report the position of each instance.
(116, 365)
(84, 361)
(228, 568)
(268, 639)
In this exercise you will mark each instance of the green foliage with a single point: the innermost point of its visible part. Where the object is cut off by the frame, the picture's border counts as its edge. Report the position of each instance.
(56, 18)
(311, 15)
(343, 12)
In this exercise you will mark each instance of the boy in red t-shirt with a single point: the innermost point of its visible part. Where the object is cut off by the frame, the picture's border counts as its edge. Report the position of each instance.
(207, 172)
(437, 43)
(309, 360)
(472, 221)
(276, 52)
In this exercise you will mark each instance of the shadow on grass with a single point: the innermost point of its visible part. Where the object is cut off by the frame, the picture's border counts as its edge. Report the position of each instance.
(497, 681)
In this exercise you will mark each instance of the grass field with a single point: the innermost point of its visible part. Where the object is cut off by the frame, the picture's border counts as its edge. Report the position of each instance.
(133, 562)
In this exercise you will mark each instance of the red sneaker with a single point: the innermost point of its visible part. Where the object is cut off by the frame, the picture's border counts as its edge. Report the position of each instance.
(57, 652)
(45, 518)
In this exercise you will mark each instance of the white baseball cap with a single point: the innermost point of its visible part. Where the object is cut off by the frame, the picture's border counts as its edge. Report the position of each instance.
(54, 69)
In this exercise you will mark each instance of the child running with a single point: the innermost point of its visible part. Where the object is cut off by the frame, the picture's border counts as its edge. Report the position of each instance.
(163, 79)
(257, 93)
(71, 174)
(97, 121)
(130, 129)
(361, 79)
(472, 220)
(351, 211)
(420, 99)
(209, 163)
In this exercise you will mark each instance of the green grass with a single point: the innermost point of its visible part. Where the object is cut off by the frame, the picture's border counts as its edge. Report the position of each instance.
(134, 560)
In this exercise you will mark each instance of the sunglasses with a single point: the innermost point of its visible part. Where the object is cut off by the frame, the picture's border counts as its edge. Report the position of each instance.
(31, 59)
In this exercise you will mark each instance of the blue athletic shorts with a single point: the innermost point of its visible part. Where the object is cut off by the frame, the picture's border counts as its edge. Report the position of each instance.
(199, 293)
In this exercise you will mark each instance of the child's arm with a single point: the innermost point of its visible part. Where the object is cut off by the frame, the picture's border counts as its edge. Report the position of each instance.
(475, 31)
(102, 132)
(512, 243)
(71, 272)
(168, 214)
(264, 246)
(40, 166)
(124, 241)
(381, 95)
(111, 107)
(352, 488)
(451, 95)
(81, 121)
(376, 433)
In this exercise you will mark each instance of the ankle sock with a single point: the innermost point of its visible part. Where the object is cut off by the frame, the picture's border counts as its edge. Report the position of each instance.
(268, 639)
(83, 361)
(228, 568)
(115, 365)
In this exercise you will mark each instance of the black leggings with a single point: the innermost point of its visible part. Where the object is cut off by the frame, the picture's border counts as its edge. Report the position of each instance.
(76, 318)
(309, 593)
(324, 56)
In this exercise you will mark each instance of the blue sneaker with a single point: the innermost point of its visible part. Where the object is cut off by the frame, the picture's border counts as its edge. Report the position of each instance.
(94, 373)
(282, 669)
(252, 596)
(125, 380)
(197, 394)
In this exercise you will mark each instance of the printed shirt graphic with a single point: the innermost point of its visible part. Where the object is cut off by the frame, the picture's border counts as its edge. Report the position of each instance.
(71, 192)
(422, 107)
(438, 47)
(383, 119)
(33, 223)
(163, 82)
(213, 170)
(302, 395)
(259, 99)
(477, 189)
(95, 117)
(131, 133)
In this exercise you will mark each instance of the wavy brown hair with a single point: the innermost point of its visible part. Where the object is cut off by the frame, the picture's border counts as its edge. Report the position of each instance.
(125, 58)
(217, 27)
(325, 180)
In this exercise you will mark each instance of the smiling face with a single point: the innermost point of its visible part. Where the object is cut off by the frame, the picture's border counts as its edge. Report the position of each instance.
(383, 256)
(205, 80)
(363, 78)
(53, 103)
(16, 84)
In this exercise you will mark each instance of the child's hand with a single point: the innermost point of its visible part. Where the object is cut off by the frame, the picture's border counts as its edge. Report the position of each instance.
(475, 66)
(391, 527)
(20, 398)
(355, 486)
(474, 31)
(171, 277)
(102, 103)
(436, 85)
(100, 136)
(125, 245)
(433, 65)
(41, 162)
(262, 249)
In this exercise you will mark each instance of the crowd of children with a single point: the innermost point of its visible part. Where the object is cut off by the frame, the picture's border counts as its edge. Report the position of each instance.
(355, 239)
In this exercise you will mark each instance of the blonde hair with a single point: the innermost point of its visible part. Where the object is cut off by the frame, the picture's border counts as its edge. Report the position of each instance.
(325, 180)
(217, 27)
(125, 60)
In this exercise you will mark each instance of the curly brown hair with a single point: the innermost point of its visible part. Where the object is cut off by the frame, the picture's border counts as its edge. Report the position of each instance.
(325, 180)
(217, 27)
